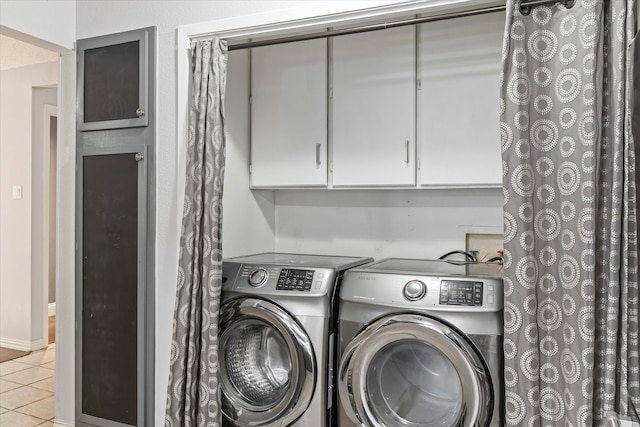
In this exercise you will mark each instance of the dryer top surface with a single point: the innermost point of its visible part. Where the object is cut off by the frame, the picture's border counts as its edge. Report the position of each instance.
(435, 268)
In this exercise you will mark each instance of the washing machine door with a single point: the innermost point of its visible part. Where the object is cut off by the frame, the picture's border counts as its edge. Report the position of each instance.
(267, 364)
(413, 370)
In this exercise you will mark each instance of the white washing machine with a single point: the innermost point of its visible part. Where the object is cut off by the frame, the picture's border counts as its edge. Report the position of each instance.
(421, 345)
(277, 339)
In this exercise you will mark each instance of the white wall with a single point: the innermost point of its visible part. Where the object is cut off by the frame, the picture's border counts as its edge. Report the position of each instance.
(17, 299)
(249, 217)
(384, 223)
(51, 22)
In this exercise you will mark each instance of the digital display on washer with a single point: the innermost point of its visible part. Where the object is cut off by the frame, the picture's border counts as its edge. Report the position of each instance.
(294, 280)
(458, 292)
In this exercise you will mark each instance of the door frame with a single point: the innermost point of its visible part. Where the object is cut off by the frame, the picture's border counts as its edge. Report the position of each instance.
(49, 112)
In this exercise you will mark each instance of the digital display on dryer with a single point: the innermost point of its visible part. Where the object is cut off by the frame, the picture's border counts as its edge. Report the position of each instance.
(458, 292)
(294, 280)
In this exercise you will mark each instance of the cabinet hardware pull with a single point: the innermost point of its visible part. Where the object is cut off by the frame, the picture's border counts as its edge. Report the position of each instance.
(406, 151)
(318, 148)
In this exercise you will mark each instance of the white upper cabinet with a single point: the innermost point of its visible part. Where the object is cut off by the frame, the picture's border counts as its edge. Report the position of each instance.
(373, 108)
(289, 115)
(460, 64)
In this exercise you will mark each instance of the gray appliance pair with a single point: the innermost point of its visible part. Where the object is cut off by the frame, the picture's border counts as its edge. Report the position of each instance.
(419, 343)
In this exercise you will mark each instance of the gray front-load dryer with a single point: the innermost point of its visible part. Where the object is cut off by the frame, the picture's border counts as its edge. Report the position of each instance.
(277, 339)
(421, 344)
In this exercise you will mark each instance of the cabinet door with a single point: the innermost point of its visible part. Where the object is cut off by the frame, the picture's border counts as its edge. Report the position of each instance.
(459, 101)
(113, 79)
(373, 108)
(110, 363)
(289, 115)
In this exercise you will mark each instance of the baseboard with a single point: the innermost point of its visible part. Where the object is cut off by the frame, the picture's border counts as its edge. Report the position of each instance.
(52, 309)
(61, 423)
(22, 345)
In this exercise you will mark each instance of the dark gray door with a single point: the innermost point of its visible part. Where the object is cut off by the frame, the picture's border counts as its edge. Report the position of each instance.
(113, 80)
(111, 292)
(115, 229)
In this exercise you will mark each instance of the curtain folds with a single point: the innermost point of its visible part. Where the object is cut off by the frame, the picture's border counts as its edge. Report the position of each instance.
(571, 270)
(615, 378)
(193, 393)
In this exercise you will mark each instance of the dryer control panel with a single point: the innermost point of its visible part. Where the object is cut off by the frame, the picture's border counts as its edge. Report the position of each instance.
(461, 292)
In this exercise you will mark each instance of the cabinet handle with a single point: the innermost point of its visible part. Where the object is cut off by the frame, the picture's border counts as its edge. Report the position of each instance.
(318, 148)
(406, 151)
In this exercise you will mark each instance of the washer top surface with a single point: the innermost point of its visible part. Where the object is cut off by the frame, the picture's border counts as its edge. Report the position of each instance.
(435, 268)
(336, 263)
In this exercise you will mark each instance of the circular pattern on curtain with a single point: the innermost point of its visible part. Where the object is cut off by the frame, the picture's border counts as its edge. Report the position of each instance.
(571, 305)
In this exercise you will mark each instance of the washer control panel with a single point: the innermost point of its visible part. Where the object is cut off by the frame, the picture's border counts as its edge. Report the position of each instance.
(295, 280)
(273, 280)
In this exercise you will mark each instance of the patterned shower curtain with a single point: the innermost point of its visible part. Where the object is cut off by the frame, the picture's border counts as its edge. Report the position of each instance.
(571, 259)
(193, 393)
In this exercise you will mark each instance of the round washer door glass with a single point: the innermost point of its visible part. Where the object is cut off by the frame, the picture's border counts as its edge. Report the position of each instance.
(267, 364)
(258, 363)
(409, 382)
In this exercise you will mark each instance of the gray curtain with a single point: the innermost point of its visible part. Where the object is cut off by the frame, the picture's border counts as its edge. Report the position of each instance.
(571, 285)
(193, 394)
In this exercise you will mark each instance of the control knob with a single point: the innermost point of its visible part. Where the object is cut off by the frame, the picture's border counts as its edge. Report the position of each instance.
(258, 277)
(414, 290)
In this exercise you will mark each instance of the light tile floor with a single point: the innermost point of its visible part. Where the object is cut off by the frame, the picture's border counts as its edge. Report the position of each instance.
(27, 388)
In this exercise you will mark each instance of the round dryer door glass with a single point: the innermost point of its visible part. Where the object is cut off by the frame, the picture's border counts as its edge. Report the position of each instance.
(258, 363)
(412, 370)
(411, 383)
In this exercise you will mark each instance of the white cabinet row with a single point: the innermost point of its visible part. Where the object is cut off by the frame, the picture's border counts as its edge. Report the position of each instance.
(394, 108)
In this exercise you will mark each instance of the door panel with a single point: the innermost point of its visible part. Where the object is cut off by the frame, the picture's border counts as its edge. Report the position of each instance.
(289, 115)
(373, 108)
(113, 81)
(111, 286)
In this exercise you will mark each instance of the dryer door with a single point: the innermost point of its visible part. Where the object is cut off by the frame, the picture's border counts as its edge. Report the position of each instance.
(267, 364)
(412, 370)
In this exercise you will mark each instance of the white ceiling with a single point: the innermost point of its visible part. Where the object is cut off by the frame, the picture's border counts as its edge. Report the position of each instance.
(15, 53)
